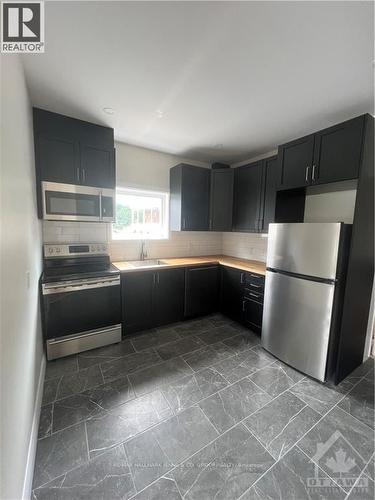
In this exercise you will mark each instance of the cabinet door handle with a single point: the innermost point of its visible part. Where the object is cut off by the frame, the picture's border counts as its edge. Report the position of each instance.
(83, 175)
(252, 275)
(313, 172)
(154, 279)
(78, 174)
(157, 278)
(241, 278)
(243, 305)
(183, 223)
(307, 174)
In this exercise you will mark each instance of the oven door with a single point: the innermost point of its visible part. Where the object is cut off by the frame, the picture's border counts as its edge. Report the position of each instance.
(80, 306)
(77, 203)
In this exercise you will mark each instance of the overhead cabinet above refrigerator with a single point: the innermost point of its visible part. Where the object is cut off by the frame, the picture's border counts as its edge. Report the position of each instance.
(330, 155)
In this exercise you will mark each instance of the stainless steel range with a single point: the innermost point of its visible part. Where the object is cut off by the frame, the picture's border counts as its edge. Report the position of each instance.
(81, 304)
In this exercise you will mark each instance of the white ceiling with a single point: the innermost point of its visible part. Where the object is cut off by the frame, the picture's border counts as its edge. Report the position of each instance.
(233, 79)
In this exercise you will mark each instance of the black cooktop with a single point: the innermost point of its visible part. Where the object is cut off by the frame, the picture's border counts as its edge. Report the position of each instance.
(74, 268)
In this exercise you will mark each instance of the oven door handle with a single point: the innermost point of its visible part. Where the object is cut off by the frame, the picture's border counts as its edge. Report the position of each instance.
(61, 287)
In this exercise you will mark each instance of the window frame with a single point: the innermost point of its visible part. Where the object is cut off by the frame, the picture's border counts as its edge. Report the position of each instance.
(164, 197)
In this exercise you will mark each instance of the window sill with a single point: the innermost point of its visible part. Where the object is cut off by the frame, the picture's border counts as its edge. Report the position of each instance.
(140, 238)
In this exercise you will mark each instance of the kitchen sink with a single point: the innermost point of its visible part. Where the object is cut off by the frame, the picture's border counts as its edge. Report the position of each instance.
(147, 263)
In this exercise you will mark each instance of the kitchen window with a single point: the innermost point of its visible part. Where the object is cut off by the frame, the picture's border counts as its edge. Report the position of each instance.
(140, 214)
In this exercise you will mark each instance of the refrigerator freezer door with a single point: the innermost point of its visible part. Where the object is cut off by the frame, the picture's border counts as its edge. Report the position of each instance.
(307, 248)
(296, 322)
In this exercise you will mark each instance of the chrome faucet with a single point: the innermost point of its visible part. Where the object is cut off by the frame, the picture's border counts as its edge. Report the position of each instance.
(143, 254)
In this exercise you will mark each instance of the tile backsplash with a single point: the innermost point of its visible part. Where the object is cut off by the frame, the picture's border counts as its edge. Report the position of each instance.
(251, 246)
(243, 245)
(178, 245)
(75, 232)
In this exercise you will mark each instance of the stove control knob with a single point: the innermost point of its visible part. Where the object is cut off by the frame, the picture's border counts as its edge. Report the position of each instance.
(57, 250)
(50, 250)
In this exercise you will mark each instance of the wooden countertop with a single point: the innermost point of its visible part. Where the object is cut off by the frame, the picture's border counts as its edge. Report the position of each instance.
(253, 266)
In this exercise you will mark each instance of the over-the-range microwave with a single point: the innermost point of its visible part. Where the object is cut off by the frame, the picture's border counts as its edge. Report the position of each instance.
(77, 203)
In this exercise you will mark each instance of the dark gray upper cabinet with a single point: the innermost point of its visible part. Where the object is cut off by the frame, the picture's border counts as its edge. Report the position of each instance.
(221, 199)
(97, 166)
(330, 155)
(295, 162)
(247, 199)
(269, 195)
(57, 159)
(72, 151)
(337, 152)
(189, 198)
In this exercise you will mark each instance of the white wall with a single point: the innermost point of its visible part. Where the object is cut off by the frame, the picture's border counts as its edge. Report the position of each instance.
(21, 338)
(144, 168)
(331, 202)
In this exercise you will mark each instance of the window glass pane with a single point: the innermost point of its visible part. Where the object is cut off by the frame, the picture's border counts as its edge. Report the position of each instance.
(140, 215)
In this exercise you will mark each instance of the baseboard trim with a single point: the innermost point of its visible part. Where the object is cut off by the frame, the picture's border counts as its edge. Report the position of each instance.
(29, 472)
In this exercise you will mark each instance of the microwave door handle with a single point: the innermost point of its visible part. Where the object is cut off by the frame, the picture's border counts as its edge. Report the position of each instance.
(100, 206)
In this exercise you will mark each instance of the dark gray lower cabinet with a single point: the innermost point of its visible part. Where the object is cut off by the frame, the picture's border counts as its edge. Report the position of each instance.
(231, 293)
(168, 303)
(152, 298)
(253, 311)
(242, 297)
(201, 290)
(137, 291)
(155, 298)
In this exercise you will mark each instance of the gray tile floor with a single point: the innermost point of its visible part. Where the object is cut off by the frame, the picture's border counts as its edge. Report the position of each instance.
(198, 410)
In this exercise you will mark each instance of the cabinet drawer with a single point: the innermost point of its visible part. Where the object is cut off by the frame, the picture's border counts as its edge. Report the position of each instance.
(253, 314)
(253, 295)
(255, 281)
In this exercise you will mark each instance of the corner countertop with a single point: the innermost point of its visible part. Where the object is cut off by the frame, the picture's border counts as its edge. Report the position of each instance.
(253, 266)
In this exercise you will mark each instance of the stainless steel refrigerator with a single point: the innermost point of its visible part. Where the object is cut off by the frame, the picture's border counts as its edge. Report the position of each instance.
(305, 278)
